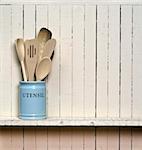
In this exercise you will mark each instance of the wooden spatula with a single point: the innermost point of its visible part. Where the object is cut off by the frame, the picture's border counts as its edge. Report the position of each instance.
(31, 48)
(49, 48)
(43, 36)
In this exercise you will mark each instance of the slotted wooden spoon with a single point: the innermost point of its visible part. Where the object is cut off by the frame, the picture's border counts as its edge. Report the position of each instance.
(31, 50)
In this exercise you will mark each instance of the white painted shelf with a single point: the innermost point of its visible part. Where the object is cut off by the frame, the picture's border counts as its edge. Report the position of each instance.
(71, 122)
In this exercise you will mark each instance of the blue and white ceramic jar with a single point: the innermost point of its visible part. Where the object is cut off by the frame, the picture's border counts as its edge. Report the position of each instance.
(32, 100)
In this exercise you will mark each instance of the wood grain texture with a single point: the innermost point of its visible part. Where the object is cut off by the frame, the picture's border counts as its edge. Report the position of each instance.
(17, 139)
(71, 138)
(90, 61)
(78, 61)
(101, 138)
(65, 138)
(136, 139)
(5, 61)
(126, 62)
(29, 138)
(5, 138)
(77, 138)
(89, 138)
(17, 32)
(113, 138)
(125, 138)
(66, 61)
(53, 79)
(102, 61)
(113, 61)
(41, 138)
(54, 138)
(107, 138)
(137, 61)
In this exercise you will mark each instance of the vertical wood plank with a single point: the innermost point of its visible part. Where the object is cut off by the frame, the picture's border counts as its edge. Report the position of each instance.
(126, 61)
(17, 138)
(90, 61)
(5, 138)
(102, 61)
(29, 138)
(136, 138)
(29, 32)
(53, 138)
(125, 138)
(29, 21)
(101, 138)
(113, 138)
(66, 61)
(41, 21)
(78, 61)
(77, 139)
(113, 61)
(41, 17)
(89, 138)
(17, 32)
(41, 138)
(5, 61)
(65, 138)
(53, 79)
(137, 61)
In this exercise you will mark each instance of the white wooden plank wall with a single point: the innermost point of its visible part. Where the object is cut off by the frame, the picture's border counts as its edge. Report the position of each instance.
(96, 68)
(54, 82)
(102, 61)
(113, 60)
(90, 62)
(126, 61)
(66, 61)
(137, 60)
(78, 61)
(17, 31)
(5, 61)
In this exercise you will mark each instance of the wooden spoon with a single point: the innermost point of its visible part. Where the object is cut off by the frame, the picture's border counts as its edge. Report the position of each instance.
(43, 36)
(49, 48)
(21, 55)
(43, 68)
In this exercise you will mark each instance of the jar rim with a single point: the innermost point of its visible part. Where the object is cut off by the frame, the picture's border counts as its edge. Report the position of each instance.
(33, 82)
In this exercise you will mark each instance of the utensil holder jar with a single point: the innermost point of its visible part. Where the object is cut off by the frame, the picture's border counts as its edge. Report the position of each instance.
(32, 100)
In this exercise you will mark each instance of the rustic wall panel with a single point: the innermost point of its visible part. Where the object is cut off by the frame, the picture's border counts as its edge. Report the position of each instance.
(96, 69)
(137, 60)
(53, 79)
(126, 61)
(102, 61)
(71, 138)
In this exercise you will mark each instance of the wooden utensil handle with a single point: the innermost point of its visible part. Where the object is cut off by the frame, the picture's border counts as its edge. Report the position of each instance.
(23, 71)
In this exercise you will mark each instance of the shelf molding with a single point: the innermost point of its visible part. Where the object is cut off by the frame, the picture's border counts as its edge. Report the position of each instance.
(137, 2)
(77, 122)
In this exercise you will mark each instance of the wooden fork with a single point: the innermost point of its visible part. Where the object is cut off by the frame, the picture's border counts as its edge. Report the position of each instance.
(31, 48)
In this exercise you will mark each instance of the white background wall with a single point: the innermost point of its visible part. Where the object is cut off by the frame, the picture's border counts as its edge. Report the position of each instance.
(97, 64)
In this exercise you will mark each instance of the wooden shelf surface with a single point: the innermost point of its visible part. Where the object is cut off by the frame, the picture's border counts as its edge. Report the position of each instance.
(71, 122)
